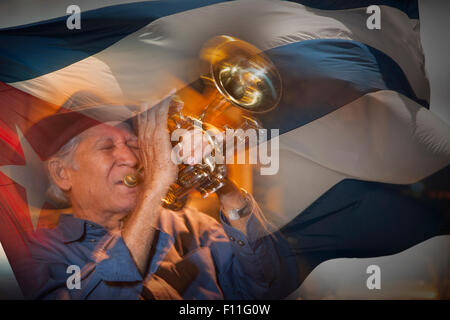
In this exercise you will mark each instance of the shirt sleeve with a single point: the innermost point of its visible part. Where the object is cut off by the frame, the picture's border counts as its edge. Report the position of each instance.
(109, 265)
(261, 265)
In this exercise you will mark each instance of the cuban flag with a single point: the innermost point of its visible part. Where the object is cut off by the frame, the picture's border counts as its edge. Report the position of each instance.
(354, 114)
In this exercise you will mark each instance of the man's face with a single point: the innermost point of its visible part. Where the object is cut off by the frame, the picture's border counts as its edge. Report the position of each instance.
(106, 154)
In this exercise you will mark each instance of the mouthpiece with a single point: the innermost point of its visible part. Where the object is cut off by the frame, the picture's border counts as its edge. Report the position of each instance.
(132, 180)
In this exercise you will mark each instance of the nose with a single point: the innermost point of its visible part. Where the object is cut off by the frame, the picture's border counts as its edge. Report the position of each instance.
(126, 157)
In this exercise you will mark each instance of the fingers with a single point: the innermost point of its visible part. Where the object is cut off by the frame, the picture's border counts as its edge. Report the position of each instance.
(155, 148)
(146, 127)
(153, 121)
(146, 122)
(162, 138)
(161, 111)
(165, 170)
(154, 118)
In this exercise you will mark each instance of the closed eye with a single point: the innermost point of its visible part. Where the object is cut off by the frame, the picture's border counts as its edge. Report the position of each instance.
(133, 144)
(107, 147)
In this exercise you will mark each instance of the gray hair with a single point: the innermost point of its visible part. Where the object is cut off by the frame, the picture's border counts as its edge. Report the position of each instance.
(66, 153)
(78, 101)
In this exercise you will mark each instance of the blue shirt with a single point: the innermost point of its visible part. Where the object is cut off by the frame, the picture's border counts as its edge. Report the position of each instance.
(193, 257)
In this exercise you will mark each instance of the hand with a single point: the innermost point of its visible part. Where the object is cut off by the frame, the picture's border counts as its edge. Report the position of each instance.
(159, 173)
(155, 150)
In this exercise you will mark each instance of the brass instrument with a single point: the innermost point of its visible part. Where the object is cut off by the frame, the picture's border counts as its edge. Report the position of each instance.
(238, 75)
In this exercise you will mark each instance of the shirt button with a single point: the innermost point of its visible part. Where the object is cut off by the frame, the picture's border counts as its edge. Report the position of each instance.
(92, 240)
(240, 242)
(231, 238)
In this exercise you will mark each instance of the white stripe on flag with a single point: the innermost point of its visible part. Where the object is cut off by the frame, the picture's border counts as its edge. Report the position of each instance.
(88, 74)
(382, 136)
(22, 12)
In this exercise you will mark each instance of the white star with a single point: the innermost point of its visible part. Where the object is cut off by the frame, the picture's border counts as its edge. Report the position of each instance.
(31, 176)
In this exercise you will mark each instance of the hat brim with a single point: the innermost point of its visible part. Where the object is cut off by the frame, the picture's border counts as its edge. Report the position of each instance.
(51, 133)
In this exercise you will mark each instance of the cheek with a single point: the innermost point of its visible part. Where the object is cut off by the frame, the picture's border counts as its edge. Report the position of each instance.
(92, 172)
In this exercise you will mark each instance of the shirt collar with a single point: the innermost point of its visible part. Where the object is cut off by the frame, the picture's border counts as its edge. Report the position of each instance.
(74, 229)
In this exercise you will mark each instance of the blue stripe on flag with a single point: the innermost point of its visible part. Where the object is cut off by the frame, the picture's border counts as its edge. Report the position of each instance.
(39, 48)
(321, 75)
(35, 49)
(361, 219)
(410, 7)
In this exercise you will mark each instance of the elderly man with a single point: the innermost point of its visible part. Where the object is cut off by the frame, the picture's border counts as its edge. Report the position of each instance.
(128, 246)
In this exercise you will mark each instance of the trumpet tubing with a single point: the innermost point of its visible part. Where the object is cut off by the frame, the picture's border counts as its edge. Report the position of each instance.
(238, 75)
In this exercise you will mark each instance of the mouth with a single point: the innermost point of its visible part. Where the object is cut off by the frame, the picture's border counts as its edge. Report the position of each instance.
(125, 190)
(129, 180)
(120, 183)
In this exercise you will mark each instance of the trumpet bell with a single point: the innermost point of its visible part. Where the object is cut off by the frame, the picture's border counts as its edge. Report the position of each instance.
(242, 74)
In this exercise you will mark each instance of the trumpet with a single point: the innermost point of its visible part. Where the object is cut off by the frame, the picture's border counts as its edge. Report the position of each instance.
(239, 76)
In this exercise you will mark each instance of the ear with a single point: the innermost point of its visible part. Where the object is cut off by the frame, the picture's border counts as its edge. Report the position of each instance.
(59, 173)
